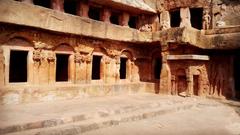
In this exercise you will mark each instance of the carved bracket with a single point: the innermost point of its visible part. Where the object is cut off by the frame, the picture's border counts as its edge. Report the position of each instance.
(37, 55)
(51, 56)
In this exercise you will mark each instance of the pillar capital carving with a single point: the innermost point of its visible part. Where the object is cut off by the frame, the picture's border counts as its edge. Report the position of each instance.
(88, 59)
(113, 53)
(51, 56)
(37, 55)
(39, 44)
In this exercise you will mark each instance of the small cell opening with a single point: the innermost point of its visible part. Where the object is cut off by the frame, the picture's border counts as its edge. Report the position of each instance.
(62, 67)
(196, 17)
(114, 19)
(96, 66)
(70, 7)
(43, 3)
(132, 22)
(123, 68)
(175, 18)
(94, 13)
(157, 68)
(18, 66)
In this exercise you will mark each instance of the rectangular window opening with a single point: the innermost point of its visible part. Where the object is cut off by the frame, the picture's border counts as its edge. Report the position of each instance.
(18, 66)
(94, 13)
(96, 67)
(70, 7)
(196, 17)
(123, 68)
(43, 3)
(175, 18)
(133, 22)
(114, 19)
(62, 67)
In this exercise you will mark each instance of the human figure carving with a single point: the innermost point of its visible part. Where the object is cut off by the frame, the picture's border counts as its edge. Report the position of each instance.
(220, 22)
(206, 20)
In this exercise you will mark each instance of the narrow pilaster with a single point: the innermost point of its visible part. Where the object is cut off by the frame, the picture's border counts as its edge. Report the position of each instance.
(82, 9)
(124, 19)
(189, 77)
(57, 5)
(2, 67)
(106, 14)
(165, 76)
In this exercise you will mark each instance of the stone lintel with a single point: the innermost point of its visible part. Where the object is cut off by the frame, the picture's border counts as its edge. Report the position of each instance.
(188, 57)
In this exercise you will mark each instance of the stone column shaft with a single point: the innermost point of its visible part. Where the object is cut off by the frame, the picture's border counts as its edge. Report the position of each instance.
(82, 9)
(124, 19)
(57, 5)
(106, 14)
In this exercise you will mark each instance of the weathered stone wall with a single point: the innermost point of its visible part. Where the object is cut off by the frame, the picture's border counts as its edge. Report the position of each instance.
(208, 78)
(42, 47)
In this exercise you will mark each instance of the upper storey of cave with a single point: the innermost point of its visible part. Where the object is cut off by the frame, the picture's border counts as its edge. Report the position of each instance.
(196, 22)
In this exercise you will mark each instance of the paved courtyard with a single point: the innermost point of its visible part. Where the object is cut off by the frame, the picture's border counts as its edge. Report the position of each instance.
(138, 114)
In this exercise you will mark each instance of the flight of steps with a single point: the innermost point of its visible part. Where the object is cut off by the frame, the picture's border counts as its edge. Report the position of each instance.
(81, 123)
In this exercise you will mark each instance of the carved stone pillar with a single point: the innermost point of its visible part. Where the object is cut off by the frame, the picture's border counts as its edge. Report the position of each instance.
(107, 74)
(165, 20)
(173, 85)
(28, 1)
(165, 81)
(117, 73)
(77, 61)
(44, 70)
(82, 9)
(2, 67)
(57, 5)
(189, 77)
(71, 76)
(51, 58)
(124, 19)
(88, 61)
(37, 58)
(185, 17)
(106, 14)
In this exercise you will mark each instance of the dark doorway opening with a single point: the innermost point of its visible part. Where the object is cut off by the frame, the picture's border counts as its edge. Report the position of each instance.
(195, 84)
(43, 3)
(196, 17)
(133, 22)
(18, 66)
(237, 76)
(181, 84)
(175, 18)
(157, 68)
(62, 67)
(94, 13)
(70, 7)
(114, 19)
(123, 68)
(96, 67)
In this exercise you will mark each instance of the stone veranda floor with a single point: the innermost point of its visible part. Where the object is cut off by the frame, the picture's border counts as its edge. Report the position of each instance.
(125, 114)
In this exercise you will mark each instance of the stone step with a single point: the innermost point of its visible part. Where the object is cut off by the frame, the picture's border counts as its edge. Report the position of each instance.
(79, 127)
(82, 117)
